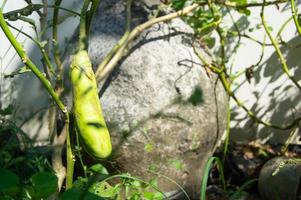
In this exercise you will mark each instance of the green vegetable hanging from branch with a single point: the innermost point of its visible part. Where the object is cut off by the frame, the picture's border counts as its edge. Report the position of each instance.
(89, 120)
(90, 123)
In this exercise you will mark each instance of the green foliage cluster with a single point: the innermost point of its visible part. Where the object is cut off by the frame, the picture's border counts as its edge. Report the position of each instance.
(29, 175)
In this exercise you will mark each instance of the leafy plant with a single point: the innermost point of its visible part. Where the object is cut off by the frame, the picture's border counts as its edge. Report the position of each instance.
(43, 179)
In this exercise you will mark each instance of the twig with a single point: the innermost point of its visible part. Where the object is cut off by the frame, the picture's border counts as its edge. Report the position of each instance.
(101, 74)
(223, 77)
(40, 45)
(248, 5)
(47, 85)
(278, 51)
(294, 14)
(21, 52)
(121, 42)
(56, 53)
(282, 28)
(45, 49)
(83, 40)
(90, 14)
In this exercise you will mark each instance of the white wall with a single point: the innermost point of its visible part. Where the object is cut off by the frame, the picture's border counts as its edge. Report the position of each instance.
(271, 95)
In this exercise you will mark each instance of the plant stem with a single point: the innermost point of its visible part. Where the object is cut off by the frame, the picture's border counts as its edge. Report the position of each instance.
(278, 51)
(70, 157)
(101, 74)
(21, 52)
(228, 129)
(44, 54)
(90, 14)
(283, 27)
(232, 4)
(83, 43)
(56, 53)
(45, 49)
(295, 17)
(47, 85)
(121, 42)
(223, 77)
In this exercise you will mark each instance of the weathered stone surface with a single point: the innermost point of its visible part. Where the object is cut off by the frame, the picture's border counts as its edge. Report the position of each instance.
(163, 111)
(280, 179)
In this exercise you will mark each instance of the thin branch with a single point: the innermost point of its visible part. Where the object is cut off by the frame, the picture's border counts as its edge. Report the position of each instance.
(248, 5)
(282, 28)
(90, 13)
(47, 85)
(28, 10)
(121, 42)
(83, 43)
(21, 52)
(223, 77)
(295, 16)
(101, 74)
(278, 51)
(45, 50)
(238, 74)
(249, 112)
(57, 58)
(40, 45)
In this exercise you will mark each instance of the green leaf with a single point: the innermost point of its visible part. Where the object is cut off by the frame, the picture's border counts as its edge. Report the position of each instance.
(80, 182)
(299, 19)
(244, 11)
(77, 194)
(149, 147)
(22, 70)
(178, 164)
(99, 168)
(7, 111)
(178, 4)
(239, 2)
(270, 28)
(105, 190)
(206, 173)
(44, 184)
(210, 41)
(148, 195)
(9, 182)
(6, 197)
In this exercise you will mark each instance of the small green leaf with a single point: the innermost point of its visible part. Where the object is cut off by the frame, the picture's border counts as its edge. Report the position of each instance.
(148, 195)
(9, 182)
(244, 11)
(43, 43)
(158, 196)
(149, 147)
(99, 168)
(210, 41)
(258, 26)
(7, 111)
(176, 163)
(44, 184)
(105, 190)
(251, 29)
(178, 4)
(22, 70)
(80, 182)
(136, 183)
(77, 194)
(270, 28)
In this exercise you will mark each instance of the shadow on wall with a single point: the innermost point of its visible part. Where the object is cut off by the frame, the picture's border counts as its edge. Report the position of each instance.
(283, 97)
